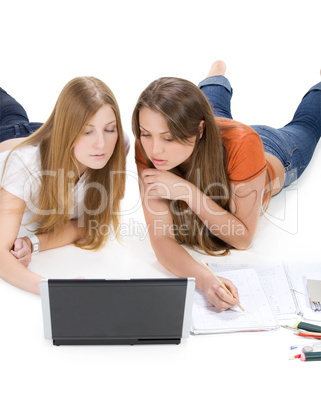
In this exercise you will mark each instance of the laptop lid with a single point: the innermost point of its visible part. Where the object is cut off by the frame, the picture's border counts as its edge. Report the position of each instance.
(134, 311)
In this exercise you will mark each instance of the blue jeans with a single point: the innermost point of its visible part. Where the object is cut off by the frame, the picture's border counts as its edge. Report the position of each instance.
(14, 122)
(293, 144)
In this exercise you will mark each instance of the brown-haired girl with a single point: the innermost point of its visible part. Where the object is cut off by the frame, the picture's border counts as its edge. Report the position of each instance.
(204, 179)
(63, 177)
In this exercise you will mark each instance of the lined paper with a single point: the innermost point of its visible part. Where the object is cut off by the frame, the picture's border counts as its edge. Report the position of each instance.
(258, 316)
(275, 281)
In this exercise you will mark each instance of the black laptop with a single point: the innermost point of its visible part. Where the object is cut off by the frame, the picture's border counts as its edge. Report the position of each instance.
(110, 312)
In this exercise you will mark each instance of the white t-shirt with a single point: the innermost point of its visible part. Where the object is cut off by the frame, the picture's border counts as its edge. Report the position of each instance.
(22, 178)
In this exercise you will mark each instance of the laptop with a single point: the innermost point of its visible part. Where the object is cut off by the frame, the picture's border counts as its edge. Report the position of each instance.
(117, 312)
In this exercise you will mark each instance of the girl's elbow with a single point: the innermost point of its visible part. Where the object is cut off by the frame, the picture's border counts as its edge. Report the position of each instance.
(242, 247)
(243, 243)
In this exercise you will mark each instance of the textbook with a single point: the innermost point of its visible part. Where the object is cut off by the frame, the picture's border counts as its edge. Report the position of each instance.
(269, 292)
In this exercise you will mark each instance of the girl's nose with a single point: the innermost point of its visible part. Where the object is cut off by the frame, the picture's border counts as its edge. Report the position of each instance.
(100, 140)
(157, 147)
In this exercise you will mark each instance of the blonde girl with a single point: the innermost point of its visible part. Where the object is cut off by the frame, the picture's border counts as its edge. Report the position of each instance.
(63, 181)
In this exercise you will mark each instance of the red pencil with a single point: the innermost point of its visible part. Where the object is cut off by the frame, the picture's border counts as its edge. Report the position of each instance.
(295, 357)
(309, 335)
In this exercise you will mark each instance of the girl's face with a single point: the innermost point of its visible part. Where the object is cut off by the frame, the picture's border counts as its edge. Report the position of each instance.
(161, 149)
(95, 145)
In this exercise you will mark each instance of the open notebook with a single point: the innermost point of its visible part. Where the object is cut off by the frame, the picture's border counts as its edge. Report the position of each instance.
(258, 315)
(282, 284)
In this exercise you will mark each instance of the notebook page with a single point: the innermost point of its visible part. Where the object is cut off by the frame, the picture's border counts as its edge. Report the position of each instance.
(257, 317)
(275, 282)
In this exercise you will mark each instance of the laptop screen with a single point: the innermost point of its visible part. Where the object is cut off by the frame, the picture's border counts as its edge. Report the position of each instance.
(115, 311)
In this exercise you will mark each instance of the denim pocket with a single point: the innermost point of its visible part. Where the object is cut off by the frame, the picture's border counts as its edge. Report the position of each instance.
(282, 145)
(278, 137)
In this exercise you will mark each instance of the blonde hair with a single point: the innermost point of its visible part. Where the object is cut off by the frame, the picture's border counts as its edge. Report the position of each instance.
(79, 100)
(183, 106)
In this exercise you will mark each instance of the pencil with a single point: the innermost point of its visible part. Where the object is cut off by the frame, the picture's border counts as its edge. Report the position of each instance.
(220, 283)
(309, 335)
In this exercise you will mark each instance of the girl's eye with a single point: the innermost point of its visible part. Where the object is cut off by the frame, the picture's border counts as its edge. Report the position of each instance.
(168, 139)
(88, 132)
(111, 130)
(144, 135)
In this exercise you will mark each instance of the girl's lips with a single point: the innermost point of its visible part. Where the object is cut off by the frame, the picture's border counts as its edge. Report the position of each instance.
(158, 162)
(98, 156)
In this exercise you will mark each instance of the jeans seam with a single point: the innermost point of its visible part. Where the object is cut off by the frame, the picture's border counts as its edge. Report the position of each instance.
(280, 143)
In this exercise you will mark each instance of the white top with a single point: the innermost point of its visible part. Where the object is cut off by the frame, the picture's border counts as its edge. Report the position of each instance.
(22, 178)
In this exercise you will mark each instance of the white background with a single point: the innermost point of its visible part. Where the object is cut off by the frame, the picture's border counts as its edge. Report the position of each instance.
(272, 51)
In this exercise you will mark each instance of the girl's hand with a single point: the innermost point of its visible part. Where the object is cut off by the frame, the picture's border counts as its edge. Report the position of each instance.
(163, 184)
(22, 251)
(217, 296)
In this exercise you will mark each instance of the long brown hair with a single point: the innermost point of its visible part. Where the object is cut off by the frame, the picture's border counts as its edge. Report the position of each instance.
(79, 100)
(183, 106)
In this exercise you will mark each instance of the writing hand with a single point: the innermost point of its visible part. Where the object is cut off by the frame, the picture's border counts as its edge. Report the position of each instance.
(217, 296)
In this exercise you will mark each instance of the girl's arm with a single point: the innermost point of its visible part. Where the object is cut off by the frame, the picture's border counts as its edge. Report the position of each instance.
(12, 270)
(13, 263)
(236, 228)
(173, 256)
(71, 232)
(9, 144)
